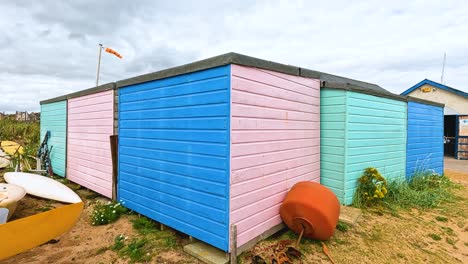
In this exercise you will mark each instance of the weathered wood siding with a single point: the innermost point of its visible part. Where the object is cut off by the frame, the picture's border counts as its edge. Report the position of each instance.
(275, 142)
(90, 124)
(54, 119)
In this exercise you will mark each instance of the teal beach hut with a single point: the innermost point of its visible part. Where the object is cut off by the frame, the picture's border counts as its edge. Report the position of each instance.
(54, 119)
(362, 125)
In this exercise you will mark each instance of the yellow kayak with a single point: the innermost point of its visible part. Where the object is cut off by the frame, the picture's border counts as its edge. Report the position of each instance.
(29, 232)
(11, 147)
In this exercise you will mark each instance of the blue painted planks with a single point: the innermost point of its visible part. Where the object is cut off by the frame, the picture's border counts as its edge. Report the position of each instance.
(425, 147)
(174, 152)
(54, 119)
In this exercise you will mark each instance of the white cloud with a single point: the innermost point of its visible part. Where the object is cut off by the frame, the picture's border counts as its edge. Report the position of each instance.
(49, 48)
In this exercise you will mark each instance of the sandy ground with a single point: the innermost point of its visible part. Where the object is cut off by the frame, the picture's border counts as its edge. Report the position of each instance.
(381, 237)
(85, 243)
(455, 165)
(376, 238)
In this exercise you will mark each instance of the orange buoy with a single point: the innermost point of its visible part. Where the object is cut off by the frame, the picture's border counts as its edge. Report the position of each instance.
(312, 208)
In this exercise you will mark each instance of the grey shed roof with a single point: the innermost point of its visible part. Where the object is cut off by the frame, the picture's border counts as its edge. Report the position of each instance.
(239, 59)
(93, 90)
(327, 80)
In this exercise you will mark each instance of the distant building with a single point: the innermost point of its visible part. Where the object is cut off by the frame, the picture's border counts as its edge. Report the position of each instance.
(21, 116)
(455, 114)
(34, 116)
(4, 116)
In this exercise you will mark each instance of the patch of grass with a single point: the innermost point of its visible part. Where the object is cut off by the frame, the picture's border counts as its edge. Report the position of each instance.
(376, 234)
(27, 133)
(436, 237)
(450, 241)
(119, 243)
(449, 231)
(144, 225)
(62, 180)
(423, 191)
(343, 227)
(103, 214)
(309, 245)
(441, 218)
(92, 196)
(44, 209)
(170, 242)
(466, 244)
(136, 251)
(101, 250)
(339, 241)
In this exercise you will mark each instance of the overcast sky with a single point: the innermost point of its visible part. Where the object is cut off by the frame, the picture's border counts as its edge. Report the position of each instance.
(50, 48)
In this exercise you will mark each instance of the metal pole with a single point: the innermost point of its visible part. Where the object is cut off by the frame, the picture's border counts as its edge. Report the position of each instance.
(98, 65)
(443, 70)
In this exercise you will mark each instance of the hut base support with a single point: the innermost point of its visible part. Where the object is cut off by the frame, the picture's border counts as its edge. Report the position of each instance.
(211, 255)
(206, 253)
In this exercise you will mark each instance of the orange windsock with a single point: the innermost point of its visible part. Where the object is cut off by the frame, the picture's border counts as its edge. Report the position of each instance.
(111, 51)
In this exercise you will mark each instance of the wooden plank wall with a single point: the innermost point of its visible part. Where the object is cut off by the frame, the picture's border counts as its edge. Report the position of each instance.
(376, 131)
(425, 148)
(275, 142)
(90, 124)
(54, 119)
(333, 140)
(174, 152)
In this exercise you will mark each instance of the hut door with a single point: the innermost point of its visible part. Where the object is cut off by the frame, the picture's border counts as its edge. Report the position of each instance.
(462, 138)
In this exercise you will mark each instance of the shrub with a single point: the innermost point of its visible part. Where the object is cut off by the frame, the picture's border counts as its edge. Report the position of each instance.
(372, 187)
(103, 214)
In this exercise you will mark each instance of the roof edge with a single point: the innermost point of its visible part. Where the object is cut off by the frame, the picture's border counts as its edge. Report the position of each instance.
(355, 88)
(423, 101)
(217, 61)
(93, 90)
(437, 85)
(226, 59)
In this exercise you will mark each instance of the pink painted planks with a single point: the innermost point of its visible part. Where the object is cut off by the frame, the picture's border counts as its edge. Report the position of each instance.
(275, 142)
(90, 123)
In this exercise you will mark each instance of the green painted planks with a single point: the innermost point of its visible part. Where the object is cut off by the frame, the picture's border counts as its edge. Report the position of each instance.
(54, 119)
(359, 131)
(332, 140)
(376, 137)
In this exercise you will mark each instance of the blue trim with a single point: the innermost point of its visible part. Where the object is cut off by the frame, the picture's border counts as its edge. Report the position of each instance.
(437, 85)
